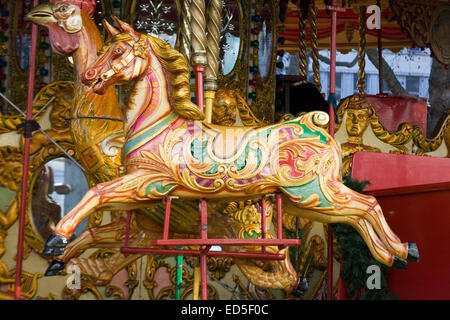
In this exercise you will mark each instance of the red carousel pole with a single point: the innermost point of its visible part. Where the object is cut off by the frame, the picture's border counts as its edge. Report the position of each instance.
(199, 62)
(204, 249)
(26, 155)
(199, 71)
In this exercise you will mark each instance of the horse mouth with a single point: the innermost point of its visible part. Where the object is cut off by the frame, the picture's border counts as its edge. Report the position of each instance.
(97, 85)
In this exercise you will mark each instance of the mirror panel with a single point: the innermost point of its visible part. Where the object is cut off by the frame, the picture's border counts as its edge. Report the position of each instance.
(230, 38)
(59, 186)
(265, 39)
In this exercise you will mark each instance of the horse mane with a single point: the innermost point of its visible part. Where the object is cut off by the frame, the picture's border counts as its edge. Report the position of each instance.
(177, 74)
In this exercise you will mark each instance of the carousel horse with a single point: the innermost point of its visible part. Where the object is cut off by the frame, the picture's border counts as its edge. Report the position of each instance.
(169, 151)
(94, 122)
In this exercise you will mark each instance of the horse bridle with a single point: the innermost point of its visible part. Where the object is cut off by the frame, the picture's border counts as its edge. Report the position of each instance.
(140, 50)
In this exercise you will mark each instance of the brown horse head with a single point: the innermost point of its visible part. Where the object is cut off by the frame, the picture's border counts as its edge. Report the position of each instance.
(128, 54)
(63, 20)
(124, 57)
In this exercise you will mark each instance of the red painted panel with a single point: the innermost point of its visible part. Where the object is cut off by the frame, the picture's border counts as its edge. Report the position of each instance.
(399, 173)
(423, 218)
(395, 110)
(402, 185)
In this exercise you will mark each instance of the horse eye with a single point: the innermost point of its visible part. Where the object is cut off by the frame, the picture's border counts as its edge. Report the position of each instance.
(63, 8)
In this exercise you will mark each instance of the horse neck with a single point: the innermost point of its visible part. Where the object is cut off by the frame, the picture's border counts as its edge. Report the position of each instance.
(148, 101)
(86, 102)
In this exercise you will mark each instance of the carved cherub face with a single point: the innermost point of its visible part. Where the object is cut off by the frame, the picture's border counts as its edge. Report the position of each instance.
(357, 121)
(224, 108)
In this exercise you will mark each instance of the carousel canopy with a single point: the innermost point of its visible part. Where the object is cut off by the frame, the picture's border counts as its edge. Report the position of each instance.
(392, 34)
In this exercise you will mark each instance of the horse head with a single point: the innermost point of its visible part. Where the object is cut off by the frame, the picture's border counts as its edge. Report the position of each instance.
(128, 55)
(124, 57)
(63, 20)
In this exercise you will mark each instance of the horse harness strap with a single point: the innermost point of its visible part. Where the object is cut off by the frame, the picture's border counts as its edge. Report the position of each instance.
(136, 52)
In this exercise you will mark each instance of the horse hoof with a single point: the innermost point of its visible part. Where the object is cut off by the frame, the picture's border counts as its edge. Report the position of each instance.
(413, 252)
(55, 268)
(55, 245)
(400, 263)
(301, 287)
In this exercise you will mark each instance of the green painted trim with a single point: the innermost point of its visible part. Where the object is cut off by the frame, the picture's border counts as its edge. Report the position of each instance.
(254, 235)
(160, 188)
(179, 276)
(306, 190)
(129, 145)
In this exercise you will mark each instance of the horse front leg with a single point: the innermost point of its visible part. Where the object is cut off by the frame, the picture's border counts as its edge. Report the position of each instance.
(107, 196)
(104, 236)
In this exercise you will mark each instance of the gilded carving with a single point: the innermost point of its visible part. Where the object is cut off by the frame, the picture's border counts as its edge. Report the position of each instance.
(424, 145)
(361, 115)
(219, 266)
(10, 167)
(227, 103)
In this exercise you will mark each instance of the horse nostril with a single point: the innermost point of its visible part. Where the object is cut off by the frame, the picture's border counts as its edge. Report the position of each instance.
(90, 74)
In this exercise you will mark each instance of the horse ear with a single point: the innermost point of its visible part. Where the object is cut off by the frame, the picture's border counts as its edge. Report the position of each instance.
(126, 28)
(110, 29)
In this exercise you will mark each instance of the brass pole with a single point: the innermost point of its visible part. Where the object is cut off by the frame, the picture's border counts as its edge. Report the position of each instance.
(185, 39)
(198, 58)
(214, 25)
(314, 45)
(302, 62)
(362, 51)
